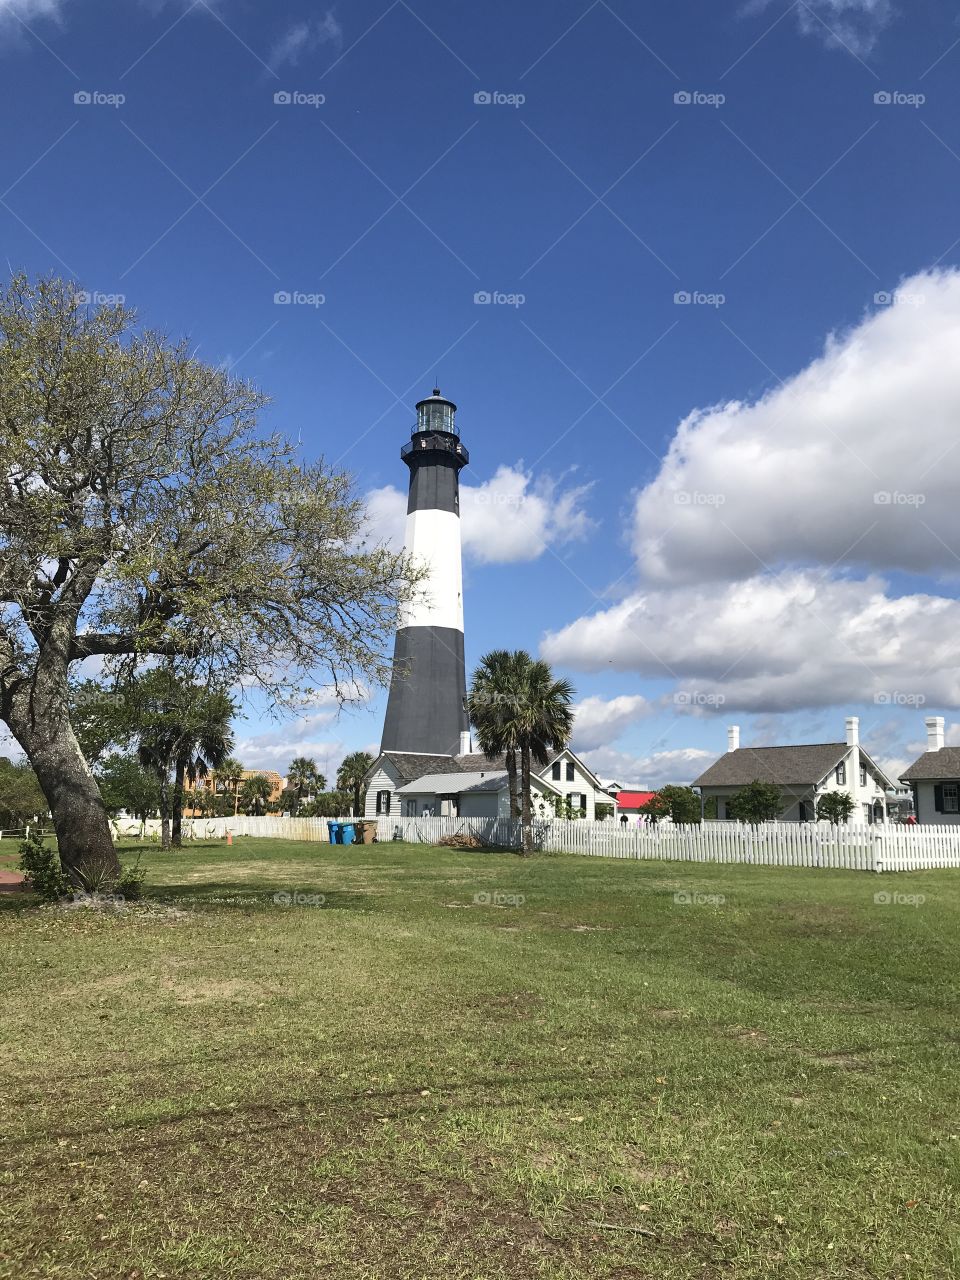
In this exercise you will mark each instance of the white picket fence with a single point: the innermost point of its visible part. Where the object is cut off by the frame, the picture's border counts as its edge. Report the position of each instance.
(779, 844)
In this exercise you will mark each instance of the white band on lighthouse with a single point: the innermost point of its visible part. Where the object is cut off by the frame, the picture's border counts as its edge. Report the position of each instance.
(433, 543)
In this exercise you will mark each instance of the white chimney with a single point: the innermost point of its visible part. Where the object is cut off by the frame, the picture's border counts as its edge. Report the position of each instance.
(853, 730)
(733, 738)
(465, 742)
(934, 733)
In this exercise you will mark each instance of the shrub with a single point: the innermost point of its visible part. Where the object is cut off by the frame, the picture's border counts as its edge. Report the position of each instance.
(42, 869)
(129, 883)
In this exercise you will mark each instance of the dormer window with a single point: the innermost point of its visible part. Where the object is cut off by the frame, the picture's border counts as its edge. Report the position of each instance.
(863, 775)
(841, 774)
(570, 772)
(556, 770)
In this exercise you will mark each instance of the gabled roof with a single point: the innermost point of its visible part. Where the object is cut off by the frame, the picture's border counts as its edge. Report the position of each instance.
(934, 765)
(786, 766)
(411, 765)
(454, 783)
(568, 751)
(458, 783)
(799, 766)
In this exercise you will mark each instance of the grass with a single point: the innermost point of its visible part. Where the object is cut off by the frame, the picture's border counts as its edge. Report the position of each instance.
(592, 1080)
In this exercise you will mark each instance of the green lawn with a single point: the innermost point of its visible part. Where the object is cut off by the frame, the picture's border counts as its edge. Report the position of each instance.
(404, 1082)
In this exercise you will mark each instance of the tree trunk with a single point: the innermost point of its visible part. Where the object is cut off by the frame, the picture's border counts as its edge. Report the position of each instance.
(164, 810)
(525, 788)
(512, 780)
(84, 839)
(177, 833)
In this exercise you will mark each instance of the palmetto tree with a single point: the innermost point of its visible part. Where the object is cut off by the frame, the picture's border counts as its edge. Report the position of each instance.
(351, 775)
(490, 705)
(255, 792)
(517, 706)
(304, 777)
(230, 775)
(183, 731)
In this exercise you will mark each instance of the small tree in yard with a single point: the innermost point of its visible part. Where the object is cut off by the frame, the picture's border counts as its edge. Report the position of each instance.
(835, 806)
(351, 776)
(144, 516)
(304, 778)
(755, 803)
(681, 804)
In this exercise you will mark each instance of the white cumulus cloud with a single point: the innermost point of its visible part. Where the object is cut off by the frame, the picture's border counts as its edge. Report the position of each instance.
(853, 461)
(649, 772)
(511, 517)
(603, 720)
(776, 643)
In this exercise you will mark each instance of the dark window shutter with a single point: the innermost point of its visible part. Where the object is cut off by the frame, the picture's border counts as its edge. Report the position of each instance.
(938, 797)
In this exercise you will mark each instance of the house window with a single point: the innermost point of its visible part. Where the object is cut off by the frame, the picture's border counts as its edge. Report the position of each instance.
(863, 775)
(570, 773)
(411, 806)
(951, 797)
(383, 802)
(556, 770)
(578, 802)
(841, 774)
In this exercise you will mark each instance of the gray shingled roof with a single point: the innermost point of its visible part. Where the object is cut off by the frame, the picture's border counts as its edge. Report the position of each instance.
(454, 783)
(934, 765)
(786, 766)
(411, 766)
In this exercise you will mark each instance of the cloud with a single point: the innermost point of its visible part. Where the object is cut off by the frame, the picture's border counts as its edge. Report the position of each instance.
(850, 462)
(650, 772)
(510, 518)
(851, 24)
(275, 748)
(28, 10)
(603, 720)
(305, 38)
(776, 643)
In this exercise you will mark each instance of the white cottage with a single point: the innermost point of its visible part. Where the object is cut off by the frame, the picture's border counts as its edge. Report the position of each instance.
(406, 784)
(803, 773)
(934, 778)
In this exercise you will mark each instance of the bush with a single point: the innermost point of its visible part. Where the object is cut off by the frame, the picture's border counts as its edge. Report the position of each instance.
(41, 866)
(45, 876)
(129, 884)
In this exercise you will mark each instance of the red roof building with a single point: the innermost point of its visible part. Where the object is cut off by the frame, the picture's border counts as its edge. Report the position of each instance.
(630, 801)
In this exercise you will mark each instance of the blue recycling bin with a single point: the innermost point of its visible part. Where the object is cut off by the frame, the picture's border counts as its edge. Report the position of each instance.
(336, 832)
(348, 833)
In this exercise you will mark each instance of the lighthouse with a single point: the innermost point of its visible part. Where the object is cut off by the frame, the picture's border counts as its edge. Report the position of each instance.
(426, 709)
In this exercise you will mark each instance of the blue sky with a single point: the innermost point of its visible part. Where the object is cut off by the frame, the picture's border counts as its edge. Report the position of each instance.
(737, 567)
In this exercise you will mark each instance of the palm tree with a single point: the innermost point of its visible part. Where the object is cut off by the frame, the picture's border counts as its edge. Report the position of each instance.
(303, 776)
(490, 706)
(516, 705)
(255, 792)
(351, 775)
(182, 730)
(230, 775)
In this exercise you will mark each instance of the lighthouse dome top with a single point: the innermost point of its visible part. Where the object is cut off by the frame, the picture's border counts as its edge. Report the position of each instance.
(436, 413)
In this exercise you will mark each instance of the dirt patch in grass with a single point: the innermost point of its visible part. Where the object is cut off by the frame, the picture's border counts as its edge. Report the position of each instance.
(516, 1004)
(639, 1167)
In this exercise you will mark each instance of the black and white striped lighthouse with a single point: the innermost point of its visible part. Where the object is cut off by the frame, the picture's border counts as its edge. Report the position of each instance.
(425, 710)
